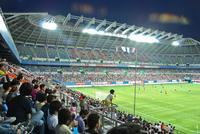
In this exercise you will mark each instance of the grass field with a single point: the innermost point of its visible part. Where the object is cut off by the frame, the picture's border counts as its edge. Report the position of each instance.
(178, 104)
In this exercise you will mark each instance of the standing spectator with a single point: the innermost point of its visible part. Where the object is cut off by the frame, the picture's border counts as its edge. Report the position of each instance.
(109, 98)
(83, 104)
(64, 122)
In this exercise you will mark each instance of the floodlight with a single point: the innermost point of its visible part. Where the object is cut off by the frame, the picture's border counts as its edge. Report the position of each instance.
(138, 38)
(49, 25)
(142, 38)
(175, 43)
(90, 31)
(101, 32)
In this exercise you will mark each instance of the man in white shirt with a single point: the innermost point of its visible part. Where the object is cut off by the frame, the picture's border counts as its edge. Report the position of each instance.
(52, 119)
(109, 98)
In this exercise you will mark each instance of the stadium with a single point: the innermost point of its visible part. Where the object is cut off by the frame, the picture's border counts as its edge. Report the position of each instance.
(155, 74)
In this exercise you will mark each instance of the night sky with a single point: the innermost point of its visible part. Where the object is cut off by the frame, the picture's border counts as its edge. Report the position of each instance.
(177, 16)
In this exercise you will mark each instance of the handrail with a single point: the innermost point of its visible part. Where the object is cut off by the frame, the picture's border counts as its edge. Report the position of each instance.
(113, 122)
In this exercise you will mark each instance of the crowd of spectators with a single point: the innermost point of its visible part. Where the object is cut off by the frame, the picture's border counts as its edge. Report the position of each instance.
(100, 74)
(31, 105)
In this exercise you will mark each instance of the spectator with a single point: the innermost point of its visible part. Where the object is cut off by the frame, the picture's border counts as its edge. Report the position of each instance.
(93, 122)
(34, 82)
(34, 92)
(73, 108)
(83, 104)
(2, 74)
(45, 107)
(42, 88)
(41, 100)
(109, 98)
(7, 88)
(127, 128)
(52, 119)
(20, 77)
(64, 122)
(14, 90)
(5, 127)
(80, 119)
(21, 106)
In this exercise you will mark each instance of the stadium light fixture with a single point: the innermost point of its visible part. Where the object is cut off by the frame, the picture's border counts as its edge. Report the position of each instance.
(94, 31)
(175, 43)
(142, 38)
(138, 38)
(101, 32)
(50, 25)
(90, 31)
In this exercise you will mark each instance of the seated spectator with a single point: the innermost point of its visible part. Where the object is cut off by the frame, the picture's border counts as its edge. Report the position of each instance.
(7, 88)
(73, 108)
(52, 119)
(20, 77)
(21, 106)
(93, 122)
(41, 100)
(2, 70)
(56, 90)
(13, 91)
(34, 82)
(80, 119)
(42, 88)
(64, 122)
(45, 107)
(5, 127)
(127, 128)
(3, 74)
(34, 92)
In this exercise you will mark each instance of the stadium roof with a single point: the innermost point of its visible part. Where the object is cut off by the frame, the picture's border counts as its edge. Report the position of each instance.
(26, 28)
(5, 52)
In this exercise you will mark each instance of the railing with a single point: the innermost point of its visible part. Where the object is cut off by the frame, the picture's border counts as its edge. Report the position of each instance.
(108, 121)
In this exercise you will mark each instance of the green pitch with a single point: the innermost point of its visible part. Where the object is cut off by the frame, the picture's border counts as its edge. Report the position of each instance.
(178, 104)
